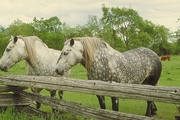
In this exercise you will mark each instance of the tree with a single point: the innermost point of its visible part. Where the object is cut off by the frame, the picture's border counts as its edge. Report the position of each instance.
(3, 39)
(108, 27)
(16, 28)
(125, 24)
(160, 36)
(94, 26)
(52, 24)
(20, 28)
(176, 43)
(2, 29)
(50, 31)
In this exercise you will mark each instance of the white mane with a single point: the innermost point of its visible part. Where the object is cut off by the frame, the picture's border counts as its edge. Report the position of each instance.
(41, 59)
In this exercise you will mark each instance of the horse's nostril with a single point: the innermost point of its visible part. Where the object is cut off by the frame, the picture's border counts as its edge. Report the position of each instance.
(59, 72)
(56, 70)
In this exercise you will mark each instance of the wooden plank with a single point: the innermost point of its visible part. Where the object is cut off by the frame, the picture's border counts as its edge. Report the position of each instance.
(132, 91)
(76, 108)
(6, 88)
(34, 111)
(14, 100)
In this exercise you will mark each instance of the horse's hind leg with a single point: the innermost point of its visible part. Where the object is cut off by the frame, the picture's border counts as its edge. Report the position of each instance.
(115, 103)
(148, 110)
(153, 109)
(101, 100)
(152, 79)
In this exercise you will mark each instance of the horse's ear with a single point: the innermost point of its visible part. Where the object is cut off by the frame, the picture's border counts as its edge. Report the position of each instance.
(15, 39)
(12, 37)
(72, 42)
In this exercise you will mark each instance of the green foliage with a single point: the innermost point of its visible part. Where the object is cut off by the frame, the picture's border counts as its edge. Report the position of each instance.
(53, 40)
(20, 28)
(129, 27)
(125, 23)
(52, 24)
(50, 31)
(3, 42)
(123, 28)
(176, 44)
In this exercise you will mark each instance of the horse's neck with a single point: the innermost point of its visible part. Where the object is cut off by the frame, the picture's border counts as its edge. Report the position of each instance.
(45, 60)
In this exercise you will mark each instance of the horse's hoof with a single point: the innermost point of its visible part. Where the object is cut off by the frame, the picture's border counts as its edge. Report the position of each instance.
(153, 114)
(57, 111)
(148, 115)
(38, 106)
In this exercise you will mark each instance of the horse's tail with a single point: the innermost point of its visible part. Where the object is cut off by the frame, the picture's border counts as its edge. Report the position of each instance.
(159, 65)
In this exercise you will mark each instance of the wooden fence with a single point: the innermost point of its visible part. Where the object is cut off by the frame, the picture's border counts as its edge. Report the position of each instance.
(112, 89)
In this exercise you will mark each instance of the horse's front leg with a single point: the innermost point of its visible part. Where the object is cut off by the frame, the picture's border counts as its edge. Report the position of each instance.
(101, 100)
(151, 109)
(37, 90)
(60, 93)
(53, 94)
(115, 103)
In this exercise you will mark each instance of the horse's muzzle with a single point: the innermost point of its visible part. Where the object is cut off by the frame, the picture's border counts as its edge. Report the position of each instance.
(59, 72)
(5, 69)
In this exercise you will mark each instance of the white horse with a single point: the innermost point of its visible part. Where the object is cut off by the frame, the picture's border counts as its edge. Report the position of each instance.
(102, 62)
(40, 59)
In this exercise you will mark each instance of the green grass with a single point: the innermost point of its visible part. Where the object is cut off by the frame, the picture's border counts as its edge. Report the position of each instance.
(13, 114)
(171, 72)
(170, 77)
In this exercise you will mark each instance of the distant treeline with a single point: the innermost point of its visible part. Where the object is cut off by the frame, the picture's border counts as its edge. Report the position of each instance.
(122, 28)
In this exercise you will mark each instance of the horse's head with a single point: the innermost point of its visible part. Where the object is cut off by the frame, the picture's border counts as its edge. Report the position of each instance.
(13, 53)
(72, 53)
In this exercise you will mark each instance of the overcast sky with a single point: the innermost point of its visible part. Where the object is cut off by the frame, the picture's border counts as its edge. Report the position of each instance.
(75, 12)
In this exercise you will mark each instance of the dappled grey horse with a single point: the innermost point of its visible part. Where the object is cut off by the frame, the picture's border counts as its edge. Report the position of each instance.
(40, 59)
(102, 62)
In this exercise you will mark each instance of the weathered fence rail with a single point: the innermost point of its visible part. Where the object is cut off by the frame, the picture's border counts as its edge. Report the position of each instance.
(132, 91)
(142, 92)
(7, 99)
(77, 108)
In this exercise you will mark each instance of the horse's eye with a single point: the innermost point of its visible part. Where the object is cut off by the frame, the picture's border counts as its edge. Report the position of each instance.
(65, 53)
(8, 49)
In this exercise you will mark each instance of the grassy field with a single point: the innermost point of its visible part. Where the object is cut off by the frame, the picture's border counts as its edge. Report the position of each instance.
(170, 77)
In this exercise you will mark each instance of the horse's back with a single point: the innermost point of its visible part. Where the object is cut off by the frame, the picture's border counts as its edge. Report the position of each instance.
(132, 66)
(143, 55)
